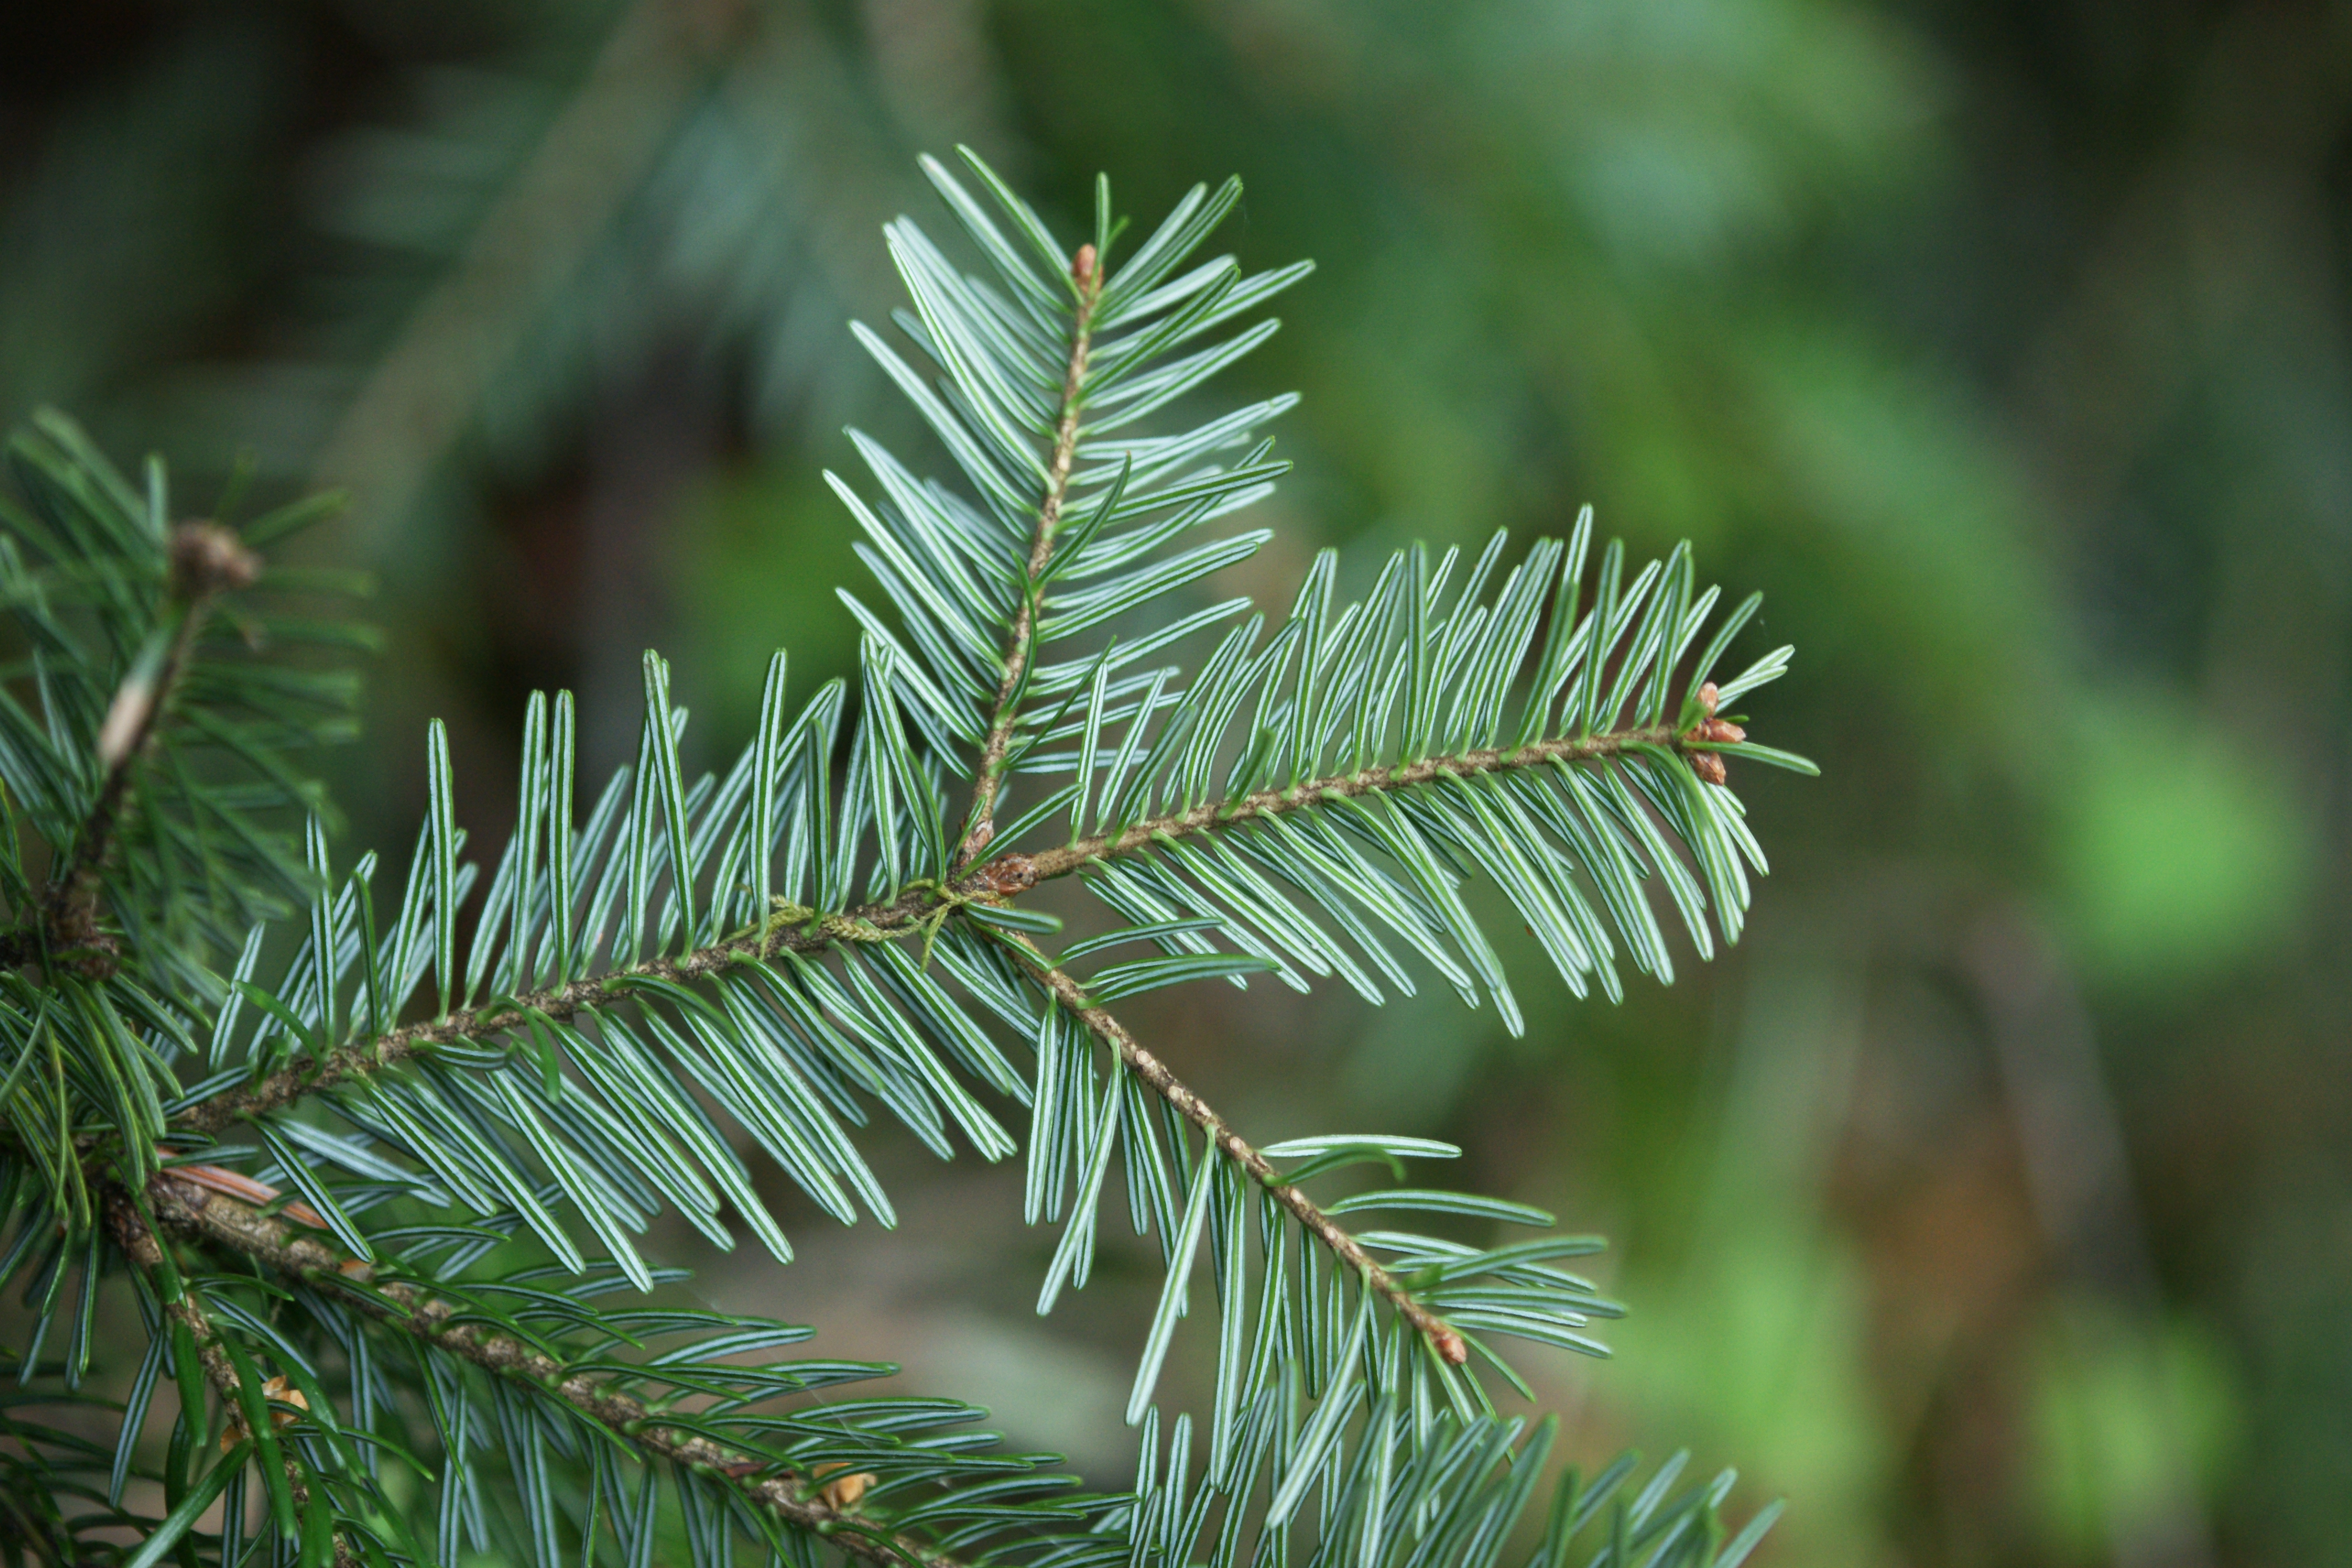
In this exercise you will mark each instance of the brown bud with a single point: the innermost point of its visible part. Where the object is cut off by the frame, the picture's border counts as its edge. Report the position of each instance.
(207, 559)
(94, 955)
(842, 1491)
(1722, 730)
(1708, 766)
(1709, 698)
(1450, 1346)
(284, 1392)
(1082, 266)
(276, 1389)
(1009, 874)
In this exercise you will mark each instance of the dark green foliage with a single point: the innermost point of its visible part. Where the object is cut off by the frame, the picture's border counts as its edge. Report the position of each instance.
(88, 566)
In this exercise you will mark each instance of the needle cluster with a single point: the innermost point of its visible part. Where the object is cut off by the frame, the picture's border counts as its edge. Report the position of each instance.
(385, 1198)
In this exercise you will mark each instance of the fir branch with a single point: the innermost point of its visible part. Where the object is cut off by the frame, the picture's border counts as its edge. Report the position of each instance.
(1019, 644)
(1183, 822)
(181, 1304)
(221, 1222)
(1061, 862)
(1066, 990)
(914, 910)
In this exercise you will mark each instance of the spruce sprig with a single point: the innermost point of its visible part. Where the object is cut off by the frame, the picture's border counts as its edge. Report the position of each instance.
(453, 1149)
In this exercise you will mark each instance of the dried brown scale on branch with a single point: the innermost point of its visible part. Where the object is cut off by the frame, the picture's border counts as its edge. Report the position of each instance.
(237, 1184)
(1066, 990)
(1005, 876)
(842, 1491)
(990, 776)
(823, 1507)
(275, 1390)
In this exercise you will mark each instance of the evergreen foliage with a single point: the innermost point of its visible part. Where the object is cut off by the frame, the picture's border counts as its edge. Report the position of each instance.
(380, 1209)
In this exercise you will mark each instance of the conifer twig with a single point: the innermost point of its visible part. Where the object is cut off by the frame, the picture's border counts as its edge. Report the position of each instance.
(881, 921)
(1072, 995)
(904, 914)
(1061, 862)
(139, 1244)
(1087, 273)
(206, 560)
(219, 1221)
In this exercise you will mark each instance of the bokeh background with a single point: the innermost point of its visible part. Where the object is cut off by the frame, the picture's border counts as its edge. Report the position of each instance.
(1993, 1200)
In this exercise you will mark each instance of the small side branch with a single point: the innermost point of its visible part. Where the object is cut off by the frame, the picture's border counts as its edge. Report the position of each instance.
(912, 911)
(146, 1253)
(1018, 645)
(1154, 1072)
(221, 1222)
(1062, 861)
(207, 561)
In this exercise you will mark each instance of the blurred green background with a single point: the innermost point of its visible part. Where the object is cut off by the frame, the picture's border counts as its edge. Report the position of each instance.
(1994, 1200)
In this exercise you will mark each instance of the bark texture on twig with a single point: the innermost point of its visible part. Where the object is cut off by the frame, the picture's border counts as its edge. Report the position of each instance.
(218, 1221)
(1018, 648)
(1154, 1072)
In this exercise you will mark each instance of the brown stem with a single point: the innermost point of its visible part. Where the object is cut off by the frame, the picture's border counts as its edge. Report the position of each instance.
(206, 560)
(224, 1222)
(1230, 1143)
(1368, 780)
(140, 1246)
(1018, 649)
